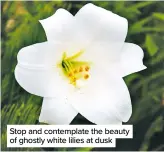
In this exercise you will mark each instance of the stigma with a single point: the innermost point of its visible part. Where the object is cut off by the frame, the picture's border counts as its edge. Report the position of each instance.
(74, 69)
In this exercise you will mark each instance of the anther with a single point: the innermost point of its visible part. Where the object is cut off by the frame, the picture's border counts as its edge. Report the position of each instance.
(70, 74)
(81, 69)
(75, 71)
(73, 81)
(86, 76)
(87, 68)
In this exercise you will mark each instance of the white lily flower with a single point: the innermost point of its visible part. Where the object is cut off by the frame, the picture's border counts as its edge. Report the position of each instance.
(80, 68)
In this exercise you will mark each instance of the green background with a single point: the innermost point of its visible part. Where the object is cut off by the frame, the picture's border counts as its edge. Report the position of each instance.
(20, 28)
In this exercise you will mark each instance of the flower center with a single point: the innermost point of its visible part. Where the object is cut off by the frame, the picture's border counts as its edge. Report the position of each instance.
(74, 69)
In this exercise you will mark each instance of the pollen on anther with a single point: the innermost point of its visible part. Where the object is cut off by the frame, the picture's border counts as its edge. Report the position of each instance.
(87, 68)
(81, 69)
(74, 80)
(75, 71)
(70, 74)
(86, 76)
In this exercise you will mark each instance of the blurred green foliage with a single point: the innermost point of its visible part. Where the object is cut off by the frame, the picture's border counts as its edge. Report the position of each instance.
(20, 27)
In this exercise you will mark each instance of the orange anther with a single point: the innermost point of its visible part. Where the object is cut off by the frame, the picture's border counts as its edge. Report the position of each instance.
(86, 76)
(75, 71)
(87, 68)
(81, 69)
(70, 74)
(73, 79)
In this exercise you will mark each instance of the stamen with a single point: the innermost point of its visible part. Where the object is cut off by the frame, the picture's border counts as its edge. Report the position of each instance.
(74, 69)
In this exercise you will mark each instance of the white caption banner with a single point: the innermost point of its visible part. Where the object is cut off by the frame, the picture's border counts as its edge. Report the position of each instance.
(66, 135)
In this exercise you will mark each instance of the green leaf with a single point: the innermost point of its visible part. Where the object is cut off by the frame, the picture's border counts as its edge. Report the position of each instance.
(159, 15)
(84, 149)
(130, 78)
(136, 27)
(141, 4)
(151, 46)
(156, 126)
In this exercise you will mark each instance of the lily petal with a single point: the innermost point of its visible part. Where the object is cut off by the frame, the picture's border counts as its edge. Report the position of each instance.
(57, 111)
(131, 59)
(104, 101)
(95, 24)
(37, 70)
(56, 25)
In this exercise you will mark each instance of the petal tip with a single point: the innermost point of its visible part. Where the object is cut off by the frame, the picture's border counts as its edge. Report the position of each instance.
(89, 4)
(143, 67)
(40, 21)
(127, 117)
(58, 11)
